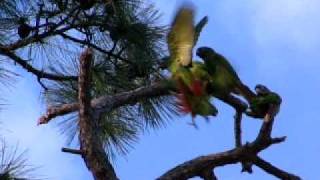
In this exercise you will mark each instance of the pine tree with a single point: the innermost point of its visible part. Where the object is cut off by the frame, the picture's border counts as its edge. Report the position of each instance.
(100, 65)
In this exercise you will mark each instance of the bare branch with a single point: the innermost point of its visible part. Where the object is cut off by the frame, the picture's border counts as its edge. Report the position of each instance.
(246, 166)
(246, 153)
(269, 168)
(72, 151)
(208, 175)
(237, 128)
(195, 167)
(266, 129)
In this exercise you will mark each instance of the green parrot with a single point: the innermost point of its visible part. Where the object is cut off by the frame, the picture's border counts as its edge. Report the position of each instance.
(191, 78)
(260, 105)
(194, 98)
(224, 79)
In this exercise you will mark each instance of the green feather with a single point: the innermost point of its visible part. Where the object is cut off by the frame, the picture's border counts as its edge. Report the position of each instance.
(200, 25)
(223, 78)
(181, 36)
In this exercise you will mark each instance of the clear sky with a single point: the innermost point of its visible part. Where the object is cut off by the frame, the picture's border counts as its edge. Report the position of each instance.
(273, 42)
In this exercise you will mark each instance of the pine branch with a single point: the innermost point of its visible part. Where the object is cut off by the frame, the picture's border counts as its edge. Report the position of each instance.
(40, 74)
(85, 42)
(90, 143)
(107, 103)
(39, 37)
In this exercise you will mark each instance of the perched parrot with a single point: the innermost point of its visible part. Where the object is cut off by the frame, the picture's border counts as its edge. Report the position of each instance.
(191, 78)
(260, 104)
(224, 79)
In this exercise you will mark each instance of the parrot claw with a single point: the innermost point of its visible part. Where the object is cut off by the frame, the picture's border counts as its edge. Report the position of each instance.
(249, 111)
(193, 123)
(207, 119)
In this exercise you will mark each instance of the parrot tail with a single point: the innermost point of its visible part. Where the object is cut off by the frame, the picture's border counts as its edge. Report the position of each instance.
(245, 92)
(183, 104)
(197, 87)
(182, 98)
(186, 96)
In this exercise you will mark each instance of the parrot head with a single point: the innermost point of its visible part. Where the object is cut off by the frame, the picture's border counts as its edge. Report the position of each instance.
(203, 52)
(261, 90)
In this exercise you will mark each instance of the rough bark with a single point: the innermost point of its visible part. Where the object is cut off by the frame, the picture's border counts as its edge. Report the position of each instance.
(107, 103)
(90, 144)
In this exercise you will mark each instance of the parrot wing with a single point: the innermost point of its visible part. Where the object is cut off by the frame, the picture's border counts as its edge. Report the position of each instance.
(200, 25)
(181, 37)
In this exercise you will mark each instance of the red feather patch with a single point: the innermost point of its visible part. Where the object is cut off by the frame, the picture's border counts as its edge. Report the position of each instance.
(182, 100)
(184, 104)
(197, 88)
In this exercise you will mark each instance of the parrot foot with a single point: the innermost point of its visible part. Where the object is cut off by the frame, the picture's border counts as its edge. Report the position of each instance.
(193, 123)
(207, 119)
(249, 111)
(253, 114)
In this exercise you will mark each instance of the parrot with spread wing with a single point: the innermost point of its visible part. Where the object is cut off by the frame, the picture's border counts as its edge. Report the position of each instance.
(224, 79)
(181, 39)
(191, 78)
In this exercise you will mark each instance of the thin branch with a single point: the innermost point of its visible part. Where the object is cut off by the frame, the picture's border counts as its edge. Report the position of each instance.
(72, 151)
(40, 74)
(39, 37)
(247, 152)
(208, 175)
(266, 129)
(90, 143)
(269, 168)
(246, 166)
(85, 42)
(237, 128)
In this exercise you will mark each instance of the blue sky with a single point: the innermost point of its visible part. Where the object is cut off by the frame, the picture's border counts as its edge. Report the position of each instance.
(272, 42)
